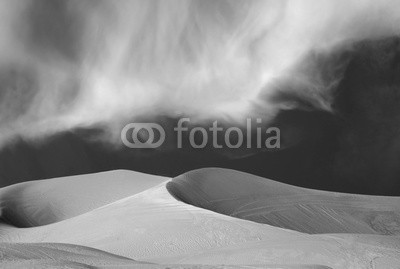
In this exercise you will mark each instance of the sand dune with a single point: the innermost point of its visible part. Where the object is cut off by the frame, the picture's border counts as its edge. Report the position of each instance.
(153, 226)
(261, 200)
(42, 202)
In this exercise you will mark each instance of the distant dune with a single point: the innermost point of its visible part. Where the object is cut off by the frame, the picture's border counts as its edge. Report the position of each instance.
(249, 197)
(139, 217)
(43, 202)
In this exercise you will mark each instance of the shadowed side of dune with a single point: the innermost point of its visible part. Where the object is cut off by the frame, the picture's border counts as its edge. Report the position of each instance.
(265, 201)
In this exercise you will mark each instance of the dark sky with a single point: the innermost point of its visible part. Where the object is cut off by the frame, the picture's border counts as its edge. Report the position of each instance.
(354, 149)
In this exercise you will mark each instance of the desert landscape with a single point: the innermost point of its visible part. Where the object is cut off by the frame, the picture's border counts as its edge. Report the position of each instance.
(200, 134)
(201, 219)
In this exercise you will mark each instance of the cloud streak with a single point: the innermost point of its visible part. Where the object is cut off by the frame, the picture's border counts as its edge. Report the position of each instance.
(68, 64)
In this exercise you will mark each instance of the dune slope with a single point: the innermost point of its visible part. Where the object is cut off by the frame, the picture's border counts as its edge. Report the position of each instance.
(249, 197)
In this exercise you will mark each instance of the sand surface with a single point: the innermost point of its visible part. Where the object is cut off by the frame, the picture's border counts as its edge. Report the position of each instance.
(261, 200)
(54, 255)
(208, 218)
